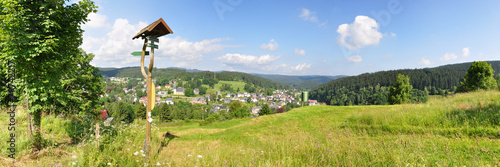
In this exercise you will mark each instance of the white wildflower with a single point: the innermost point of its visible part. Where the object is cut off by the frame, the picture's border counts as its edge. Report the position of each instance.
(109, 163)
(189, 155)
(74, 156)
(199, 156)
(158, 164)
(136, 153)
(143, 155)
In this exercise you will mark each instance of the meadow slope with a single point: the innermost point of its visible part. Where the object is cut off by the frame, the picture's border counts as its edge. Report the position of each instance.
(462, 129)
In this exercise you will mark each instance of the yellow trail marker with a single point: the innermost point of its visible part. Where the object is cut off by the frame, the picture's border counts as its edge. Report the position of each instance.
(153, 96)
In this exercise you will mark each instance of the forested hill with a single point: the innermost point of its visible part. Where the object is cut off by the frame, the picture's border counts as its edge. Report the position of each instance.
(445, 77)
(178, 73)
(305, 82)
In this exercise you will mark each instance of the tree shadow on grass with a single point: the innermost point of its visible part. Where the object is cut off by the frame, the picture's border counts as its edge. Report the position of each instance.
(482, 119)
(165, 142)
(476, 115)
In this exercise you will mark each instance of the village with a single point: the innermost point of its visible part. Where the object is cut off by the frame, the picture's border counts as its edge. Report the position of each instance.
(219, 101)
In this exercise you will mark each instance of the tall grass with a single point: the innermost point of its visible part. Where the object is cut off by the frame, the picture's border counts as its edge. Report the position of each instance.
(459, 130)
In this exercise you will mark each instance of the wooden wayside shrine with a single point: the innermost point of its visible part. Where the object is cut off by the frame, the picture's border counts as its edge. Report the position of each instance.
(150, 33)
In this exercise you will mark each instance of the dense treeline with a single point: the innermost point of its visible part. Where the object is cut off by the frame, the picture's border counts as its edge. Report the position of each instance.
(439, 80)
(171, 73)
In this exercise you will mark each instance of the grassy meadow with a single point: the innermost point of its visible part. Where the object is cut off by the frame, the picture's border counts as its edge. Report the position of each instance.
(458, 130)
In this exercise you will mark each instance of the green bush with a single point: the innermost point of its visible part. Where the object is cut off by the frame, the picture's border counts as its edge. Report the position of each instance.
(83, 126)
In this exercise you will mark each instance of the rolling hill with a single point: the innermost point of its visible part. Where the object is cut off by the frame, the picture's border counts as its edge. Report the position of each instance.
(445, 77)
(187, 74)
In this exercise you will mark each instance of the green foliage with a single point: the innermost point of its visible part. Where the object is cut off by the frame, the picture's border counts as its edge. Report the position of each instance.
(165, 112)
(399, 92)
(478, 77)
(140, 111)
(238, 110)
(82, 126)
(42, 39)
(123, 112)
(498, 80)
(265, 110)
(189, 92)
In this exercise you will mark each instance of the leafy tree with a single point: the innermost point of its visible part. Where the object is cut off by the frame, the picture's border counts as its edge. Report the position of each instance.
(242, 112)
(265, 110)
(235, 106)
(123, 112)
(399, 92)
(165, 112)
(189, 92)
(140, 111)
(42, 38)
(478, 77)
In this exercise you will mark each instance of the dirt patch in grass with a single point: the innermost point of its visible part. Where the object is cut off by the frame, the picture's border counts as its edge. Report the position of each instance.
(193, 131)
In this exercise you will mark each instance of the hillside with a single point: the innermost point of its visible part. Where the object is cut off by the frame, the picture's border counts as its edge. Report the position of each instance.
(184, 74)
(459, 130)
(439, 78)
(305, 82)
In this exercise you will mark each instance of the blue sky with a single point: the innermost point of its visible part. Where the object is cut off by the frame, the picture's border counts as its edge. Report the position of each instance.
(320, 37)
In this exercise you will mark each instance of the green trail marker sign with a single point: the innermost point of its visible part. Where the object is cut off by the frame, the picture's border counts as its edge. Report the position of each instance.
(153, 39)
(139, 53)
(152, 45)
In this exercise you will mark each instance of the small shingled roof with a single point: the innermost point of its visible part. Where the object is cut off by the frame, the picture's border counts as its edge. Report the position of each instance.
(156, 29)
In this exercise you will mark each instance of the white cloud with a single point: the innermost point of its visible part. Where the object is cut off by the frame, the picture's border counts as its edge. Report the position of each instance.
(247, 60)
(362, 32)
(448, 57)
(424, 62)
(258, 63)
(308, 15)
(181, 49)
(271, 46)
(465, 52)
(355, 59)
(324, 60)
(96, 21)
(114, 49)
(393, 34)
(301, 52)
(301, 67)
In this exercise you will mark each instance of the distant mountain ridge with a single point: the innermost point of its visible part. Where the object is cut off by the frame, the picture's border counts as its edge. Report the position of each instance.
(304, 81)
(445, 77)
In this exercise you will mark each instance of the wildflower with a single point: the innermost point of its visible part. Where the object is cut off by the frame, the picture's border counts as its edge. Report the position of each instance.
(143, 155)
(74, 163)
(136, 160)
(136, 153)
(199, 156)
(317, 146)
(109, 163)
(189, 155)
(330, 150)
(158, 164)
(74, 156)
(141, 151)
